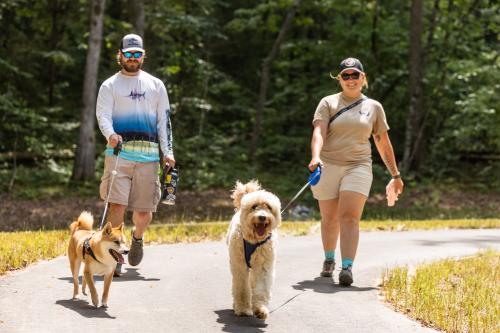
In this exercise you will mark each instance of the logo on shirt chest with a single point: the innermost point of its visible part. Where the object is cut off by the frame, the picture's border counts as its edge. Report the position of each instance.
(364, 113)
(134, 94)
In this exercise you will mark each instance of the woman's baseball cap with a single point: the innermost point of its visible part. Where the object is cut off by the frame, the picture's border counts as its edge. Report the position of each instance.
(131, 42)
(351, 63)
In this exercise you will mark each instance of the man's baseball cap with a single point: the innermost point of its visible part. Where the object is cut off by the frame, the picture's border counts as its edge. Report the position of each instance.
(351, 63)
(131, 42)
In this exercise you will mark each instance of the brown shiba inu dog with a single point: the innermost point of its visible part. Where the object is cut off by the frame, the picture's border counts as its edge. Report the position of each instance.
(100, 251)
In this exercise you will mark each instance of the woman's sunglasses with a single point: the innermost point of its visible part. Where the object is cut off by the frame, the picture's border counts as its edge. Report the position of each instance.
(129, 55)
(346, 76)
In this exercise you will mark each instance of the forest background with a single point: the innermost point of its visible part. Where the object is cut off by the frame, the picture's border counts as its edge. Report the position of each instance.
(244, 79)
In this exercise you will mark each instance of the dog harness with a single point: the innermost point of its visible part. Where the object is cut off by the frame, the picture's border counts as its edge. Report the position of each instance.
(86, 249)
(250, 249)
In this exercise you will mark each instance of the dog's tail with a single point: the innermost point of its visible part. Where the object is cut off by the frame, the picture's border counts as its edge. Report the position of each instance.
(241, 189)
(84, 222)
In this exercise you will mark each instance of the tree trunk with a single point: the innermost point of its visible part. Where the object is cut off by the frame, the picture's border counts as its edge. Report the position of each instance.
(375, 34)
(444, 49)
(420, 139)
(57, 10)
(84, 167)
(265, 76)
(136, 14)
(413, 121)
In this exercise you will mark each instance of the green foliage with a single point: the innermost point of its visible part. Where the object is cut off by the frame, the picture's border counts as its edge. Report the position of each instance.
(44, 180)
(209, 54)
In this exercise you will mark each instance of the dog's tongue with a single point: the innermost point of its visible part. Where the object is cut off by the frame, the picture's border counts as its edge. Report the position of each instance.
(118, 257)
(261, 229)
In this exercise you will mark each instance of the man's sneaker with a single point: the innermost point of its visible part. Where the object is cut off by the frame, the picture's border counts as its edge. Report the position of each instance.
(328, 267)
(118, 270)
(136, 252)
(345, 276)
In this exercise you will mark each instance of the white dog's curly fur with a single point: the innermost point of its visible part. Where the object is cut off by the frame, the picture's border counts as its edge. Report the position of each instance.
(256, 219)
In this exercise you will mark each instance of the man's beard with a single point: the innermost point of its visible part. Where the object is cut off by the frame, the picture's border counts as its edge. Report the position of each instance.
(131, 66)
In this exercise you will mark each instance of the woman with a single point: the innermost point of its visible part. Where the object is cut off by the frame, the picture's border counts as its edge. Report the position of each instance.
(342, 148)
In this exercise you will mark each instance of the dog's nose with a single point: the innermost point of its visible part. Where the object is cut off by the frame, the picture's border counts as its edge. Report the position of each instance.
(262, 218)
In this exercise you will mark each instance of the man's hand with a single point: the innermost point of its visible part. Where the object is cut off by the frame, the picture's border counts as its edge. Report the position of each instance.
(169, 161)
(114, 139)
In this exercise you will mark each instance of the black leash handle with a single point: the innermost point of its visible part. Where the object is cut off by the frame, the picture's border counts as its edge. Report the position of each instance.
(118, 148)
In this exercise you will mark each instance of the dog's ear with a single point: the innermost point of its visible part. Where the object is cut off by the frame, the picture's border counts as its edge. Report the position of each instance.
(252, 186)
(238, 193)
(108, 228)
(276, 208)
(241, 189)
(120, 227)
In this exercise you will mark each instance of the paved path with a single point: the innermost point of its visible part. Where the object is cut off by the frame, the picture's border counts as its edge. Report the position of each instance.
(186, 288)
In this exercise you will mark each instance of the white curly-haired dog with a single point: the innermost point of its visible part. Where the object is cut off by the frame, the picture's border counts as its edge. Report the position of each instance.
(252, 238)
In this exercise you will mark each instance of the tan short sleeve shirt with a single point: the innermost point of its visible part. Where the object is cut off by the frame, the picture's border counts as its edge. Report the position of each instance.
(348, 137)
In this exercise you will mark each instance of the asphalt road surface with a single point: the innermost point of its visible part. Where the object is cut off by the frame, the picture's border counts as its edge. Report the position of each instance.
(187, 288)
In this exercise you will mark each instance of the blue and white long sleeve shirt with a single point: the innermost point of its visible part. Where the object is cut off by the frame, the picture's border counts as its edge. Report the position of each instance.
(137, 108)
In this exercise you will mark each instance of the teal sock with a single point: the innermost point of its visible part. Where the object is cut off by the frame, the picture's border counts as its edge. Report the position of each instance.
(330, 255)
(346, 262)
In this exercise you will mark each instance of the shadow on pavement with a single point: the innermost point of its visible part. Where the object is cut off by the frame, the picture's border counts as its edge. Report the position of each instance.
(233, 323)
(84, 308)
(131, 274)
(325, 286)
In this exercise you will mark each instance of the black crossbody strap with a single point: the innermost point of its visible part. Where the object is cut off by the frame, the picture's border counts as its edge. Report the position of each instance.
(347, 108)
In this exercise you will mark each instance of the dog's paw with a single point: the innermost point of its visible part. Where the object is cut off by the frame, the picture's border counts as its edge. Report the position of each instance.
(104, 305)
(243, 312)
(261, 312)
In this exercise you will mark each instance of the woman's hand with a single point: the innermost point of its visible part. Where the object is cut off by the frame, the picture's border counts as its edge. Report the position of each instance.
(315, 161)
(398, 185)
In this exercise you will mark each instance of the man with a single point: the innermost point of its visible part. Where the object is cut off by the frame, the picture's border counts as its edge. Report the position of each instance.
(133, 108)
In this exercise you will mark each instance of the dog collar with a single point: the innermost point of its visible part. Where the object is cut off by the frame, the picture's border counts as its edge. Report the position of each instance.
(250, 249)
(86, 249)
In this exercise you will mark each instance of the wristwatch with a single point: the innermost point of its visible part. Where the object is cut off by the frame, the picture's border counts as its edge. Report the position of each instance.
(396, 176)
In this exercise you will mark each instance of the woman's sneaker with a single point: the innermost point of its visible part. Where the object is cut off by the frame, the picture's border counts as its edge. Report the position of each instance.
(345, 276)
(328, 267)
(136, 252)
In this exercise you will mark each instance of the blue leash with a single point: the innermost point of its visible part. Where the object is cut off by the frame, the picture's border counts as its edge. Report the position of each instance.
(313, 180)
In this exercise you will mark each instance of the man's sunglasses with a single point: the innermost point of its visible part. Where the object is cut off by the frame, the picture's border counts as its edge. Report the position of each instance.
(346, 76)
(129, 55)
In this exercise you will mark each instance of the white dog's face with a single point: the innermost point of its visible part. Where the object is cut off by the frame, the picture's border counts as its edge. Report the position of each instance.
(260, 215)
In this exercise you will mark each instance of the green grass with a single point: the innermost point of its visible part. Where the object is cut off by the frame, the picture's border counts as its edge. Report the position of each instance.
(404, 225)
(20, 249)
(452, 295)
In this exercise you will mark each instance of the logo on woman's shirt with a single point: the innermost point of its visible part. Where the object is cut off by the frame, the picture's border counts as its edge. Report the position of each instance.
(134, 94)
(364, 113)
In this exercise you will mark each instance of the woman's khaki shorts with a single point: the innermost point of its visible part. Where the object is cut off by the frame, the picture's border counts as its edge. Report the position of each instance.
(336, 178)
(136, 184)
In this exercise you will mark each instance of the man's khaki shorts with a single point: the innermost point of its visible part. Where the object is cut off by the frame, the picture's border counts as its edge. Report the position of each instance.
(336, 178)
(136, 184)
